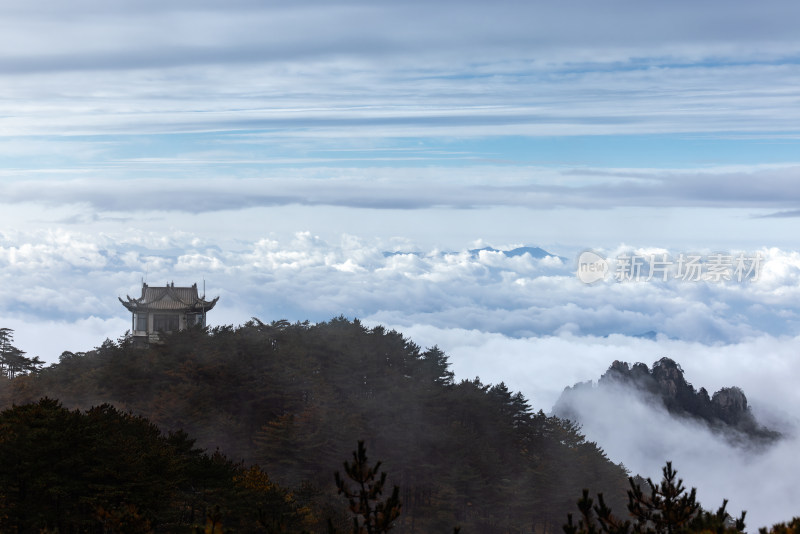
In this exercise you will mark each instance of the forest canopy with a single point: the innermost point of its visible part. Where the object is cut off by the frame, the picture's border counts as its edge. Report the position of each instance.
(244, 427)
(293, 398)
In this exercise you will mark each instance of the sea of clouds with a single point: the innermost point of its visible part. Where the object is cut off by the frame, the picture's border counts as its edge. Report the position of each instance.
(186, 142)
(643, 436)
(527, 321)
(58, 276)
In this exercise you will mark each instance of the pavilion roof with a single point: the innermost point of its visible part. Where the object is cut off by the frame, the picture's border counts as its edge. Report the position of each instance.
(169, 298)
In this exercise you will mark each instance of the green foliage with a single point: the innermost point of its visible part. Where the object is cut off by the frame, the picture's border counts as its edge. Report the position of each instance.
(667, 509)
(62, 468)
(792, 527)
(277, 509)
(290, 398)
(107, 471)
(363, 492)
(13, 361)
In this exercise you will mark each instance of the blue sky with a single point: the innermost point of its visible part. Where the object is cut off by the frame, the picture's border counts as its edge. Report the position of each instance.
(278, 149)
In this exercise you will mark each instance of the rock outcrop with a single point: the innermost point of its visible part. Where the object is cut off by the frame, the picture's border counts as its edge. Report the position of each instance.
(726, 410)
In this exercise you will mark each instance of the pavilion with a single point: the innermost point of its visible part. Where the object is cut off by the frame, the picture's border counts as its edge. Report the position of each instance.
(165, 309)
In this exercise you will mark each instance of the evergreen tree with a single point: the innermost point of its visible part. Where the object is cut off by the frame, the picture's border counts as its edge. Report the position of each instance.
(107, 471)
(290, 397)
(667, 509)
(13, 361)
(371, 514)
(792, 527)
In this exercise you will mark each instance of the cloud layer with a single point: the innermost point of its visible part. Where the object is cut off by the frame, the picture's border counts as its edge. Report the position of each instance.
(320, 103)
(61, 275)
(769, 188)
(278, 151)
(524, 320)
(642, 436)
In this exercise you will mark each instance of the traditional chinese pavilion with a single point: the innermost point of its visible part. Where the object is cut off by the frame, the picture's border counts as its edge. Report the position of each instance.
(166, 309)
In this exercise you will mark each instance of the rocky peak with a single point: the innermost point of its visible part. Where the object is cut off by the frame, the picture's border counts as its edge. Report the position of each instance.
(665, 383)
(730, 404)
(618, 371)
(669, 377)
(732, 398)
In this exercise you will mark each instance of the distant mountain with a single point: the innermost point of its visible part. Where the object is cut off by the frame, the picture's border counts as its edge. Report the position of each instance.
(725, 411)
(535, 252)
(389, 254)
(650, 334)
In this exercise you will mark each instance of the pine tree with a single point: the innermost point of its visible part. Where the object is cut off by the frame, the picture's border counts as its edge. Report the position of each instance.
(371, 515)
(792, 527)
(667, 509)
(13, 361)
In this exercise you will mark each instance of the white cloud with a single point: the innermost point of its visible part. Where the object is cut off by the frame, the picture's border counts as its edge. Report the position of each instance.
(60, 274)
(528, 322)
(645, 437)
(201, 136)
(641, 436)
(173, 192)
(366, 72)
(49, 338)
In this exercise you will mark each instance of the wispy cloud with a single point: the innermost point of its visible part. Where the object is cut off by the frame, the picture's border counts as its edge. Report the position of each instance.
(184, 185)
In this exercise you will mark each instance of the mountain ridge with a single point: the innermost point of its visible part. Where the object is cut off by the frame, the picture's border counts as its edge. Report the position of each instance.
(726, 411)
(294, 398)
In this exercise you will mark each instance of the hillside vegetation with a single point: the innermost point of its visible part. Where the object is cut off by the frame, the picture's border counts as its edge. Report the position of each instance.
(294, 398)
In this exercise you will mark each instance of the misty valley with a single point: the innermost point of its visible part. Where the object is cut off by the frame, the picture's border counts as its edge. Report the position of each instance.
(568, 231)
(337, 427)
